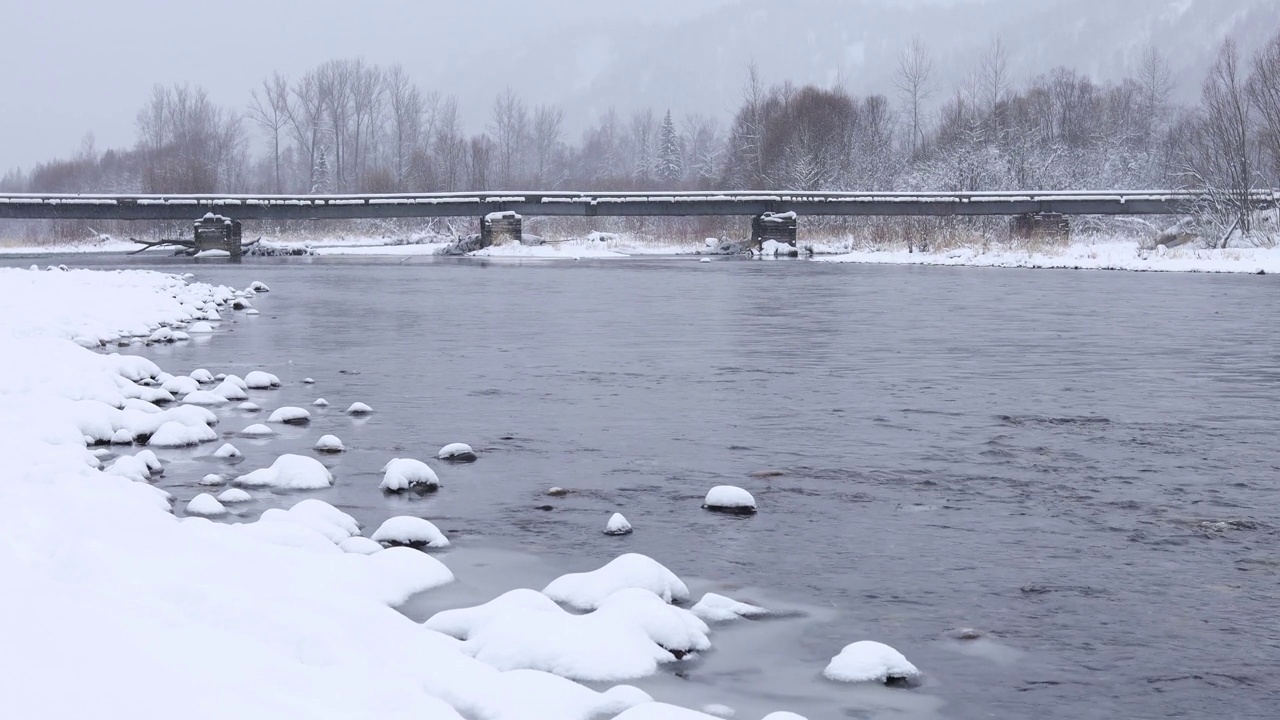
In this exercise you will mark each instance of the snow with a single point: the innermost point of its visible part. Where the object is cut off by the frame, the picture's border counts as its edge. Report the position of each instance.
(290, 415)
(359, 408)
(212, 253)
(237, 381)
(729, 498)
(259, 287)
(662, 711)
(161, 335)
(723, 711)
(783, 715)
(181, 385)
(870, 661)
(176, 434)
(202, 376)
(248, 407)
(718, 608)
(320, 402)
(552, 251)
(259, 380)
(257, 430)
(457, 452)
(289, 472)
(329, 444)
(230, 390)
(308, 381)
(704, 260)
(212, 479)
(204, 397)
(122, 437)
(232, 496)
(411, 531)
(227, 451)
(205, 505)
(408, 474)
(200, 328)
(359, 545)
(617, 525)
(586, 591)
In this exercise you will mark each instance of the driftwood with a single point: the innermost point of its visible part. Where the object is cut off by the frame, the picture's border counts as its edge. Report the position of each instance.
(188, 245)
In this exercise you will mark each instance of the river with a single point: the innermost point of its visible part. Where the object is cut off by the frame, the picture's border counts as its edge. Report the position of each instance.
(1080, 465)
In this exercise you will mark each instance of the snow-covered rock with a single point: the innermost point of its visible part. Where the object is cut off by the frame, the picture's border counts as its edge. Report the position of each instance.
(122, 437)
(870, 661)
(324, 512)
(212, 479)
(231, 496)
(180, 385)
(259, 380)
(720, 711)
(176, 434)
(200, 327)
(617, 525)
(241, 304)
(784, 715)
(205, 505)
(230, 391)
(730, 499)
(718, 608)
(202, 376)
(557, 492)
(235, 380)
(247, 406)
(131, 467)
(456, 452)
(674, 628)
(410, 531)
(586, 591)
(408, 474)
(359, 545)
(257, 430)
(308, 381)
(228, 452)
(662, 711)
(153, 463)
(205, 397)
(259, 287)
(252, 311)
(320, 402)
(290, 415)
(290, 472)
(329, 444)
(359, 408)
(161, 335)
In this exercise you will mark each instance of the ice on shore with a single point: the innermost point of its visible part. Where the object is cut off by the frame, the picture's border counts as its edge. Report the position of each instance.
(456, 452)
(870, 661)
(329, 444)
(587, 590)
(617, 525)
(718, 608)
(408, 474)
(731, 499)
(359, 408)
(176, 434)
(257, 430)
(205, 505)
(289, 472)
(231, 496)
(410, 531)
(227, 452)
(259, 380)
(290, 415)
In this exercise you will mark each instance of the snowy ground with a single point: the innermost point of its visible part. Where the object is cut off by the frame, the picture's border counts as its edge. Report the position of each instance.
(147, 611)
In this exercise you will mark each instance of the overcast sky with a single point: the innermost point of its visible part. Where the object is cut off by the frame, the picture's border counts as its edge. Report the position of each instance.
(73, 67)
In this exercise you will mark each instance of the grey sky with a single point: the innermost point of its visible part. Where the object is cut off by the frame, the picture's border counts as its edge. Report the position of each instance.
(75, 66)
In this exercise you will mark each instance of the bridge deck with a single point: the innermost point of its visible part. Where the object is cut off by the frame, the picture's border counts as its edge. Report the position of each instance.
(586, 204)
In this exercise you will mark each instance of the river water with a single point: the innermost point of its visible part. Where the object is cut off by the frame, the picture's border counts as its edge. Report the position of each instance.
(1080, 465)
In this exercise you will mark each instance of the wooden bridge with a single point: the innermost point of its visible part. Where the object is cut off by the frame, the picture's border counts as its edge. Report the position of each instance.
(1030, 206)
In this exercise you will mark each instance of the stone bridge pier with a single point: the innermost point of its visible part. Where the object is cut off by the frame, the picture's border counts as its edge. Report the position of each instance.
(497, 228)
(778, 227)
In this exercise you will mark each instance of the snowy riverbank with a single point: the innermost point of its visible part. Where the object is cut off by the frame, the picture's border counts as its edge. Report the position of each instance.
(121, 589)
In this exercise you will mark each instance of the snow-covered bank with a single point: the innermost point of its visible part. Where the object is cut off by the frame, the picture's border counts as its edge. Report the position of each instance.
(1103, 255)
(290, 616)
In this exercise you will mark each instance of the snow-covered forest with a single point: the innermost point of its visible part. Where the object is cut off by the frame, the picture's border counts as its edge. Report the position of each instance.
(353, 126)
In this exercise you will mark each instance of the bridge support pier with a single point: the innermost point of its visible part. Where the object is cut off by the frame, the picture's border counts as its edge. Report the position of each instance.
(778, 227)
(497, 228)
(1041, 226)
(215, 232)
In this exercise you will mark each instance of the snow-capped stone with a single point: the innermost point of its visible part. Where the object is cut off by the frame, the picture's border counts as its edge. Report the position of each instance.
(257, 430)
(662, 711)
(205, 505)
(231, 496)
(227, 452)
(259, 287)
(705, 260)
(290, 415)
(730, 499)
(674, 628)
(408, 474)
(180, 336)
(456, 452)
(220, 377)
(248, 406)
(131, 467)
(204, 397)
(161, 335)
(236, 380)
(586, 591)
(181, 385)
(718, 608)
(290, 472)
(720, 711)
(240, 304)
(783, 715)
(202, 376)
(359, 408)
(870, 661)
(213, 479)
(410, 531)
(557, 492)
(308, 381)
(327, 513)
(259, 380)
(329, 444)
(252, 311)
(359, 545)
(176, 434)
(153, 462)
(230, 391)
(617, 525)
(320, 402)
(200, 327)
(122, 437)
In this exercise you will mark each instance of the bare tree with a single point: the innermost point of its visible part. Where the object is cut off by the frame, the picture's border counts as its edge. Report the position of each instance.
(994, 81)
(546, 139)
(271, 112)
(366, 114)
(509, 124)
(915, 86)
(307, 123)
(406, 105)
(334, 80)
(1264, 92)
(450, 145)
(1155, 78)
(1221, 162)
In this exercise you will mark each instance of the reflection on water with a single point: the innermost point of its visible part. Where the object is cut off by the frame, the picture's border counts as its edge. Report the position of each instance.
(1079, 465)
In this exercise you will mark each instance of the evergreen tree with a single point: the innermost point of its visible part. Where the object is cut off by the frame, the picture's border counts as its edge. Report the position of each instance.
(320, 173)
(670, 166)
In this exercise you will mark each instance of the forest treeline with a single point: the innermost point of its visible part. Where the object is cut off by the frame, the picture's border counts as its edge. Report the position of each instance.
(352, 126)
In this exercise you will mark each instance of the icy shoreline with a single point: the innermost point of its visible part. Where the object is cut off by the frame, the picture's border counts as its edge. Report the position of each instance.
(137, 604)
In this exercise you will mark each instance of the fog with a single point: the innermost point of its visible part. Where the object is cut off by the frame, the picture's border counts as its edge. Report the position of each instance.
(77, 67)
